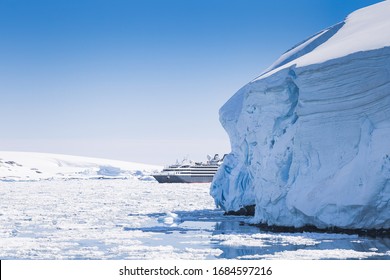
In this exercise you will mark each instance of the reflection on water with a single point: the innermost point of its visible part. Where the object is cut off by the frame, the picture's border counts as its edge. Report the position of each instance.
(235, 238)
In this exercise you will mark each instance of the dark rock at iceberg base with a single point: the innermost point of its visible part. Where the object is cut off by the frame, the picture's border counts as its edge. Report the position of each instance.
(244, 211)
(376, 233)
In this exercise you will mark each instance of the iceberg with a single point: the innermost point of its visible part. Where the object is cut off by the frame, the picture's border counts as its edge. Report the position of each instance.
(309, 136)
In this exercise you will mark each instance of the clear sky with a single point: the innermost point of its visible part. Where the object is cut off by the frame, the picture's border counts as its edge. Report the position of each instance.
(139, 80)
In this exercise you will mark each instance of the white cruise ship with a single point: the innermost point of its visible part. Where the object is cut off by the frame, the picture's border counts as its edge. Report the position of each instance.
(190, 172)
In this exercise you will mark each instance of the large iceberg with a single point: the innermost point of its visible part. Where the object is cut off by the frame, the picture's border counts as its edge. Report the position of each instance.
(310, 137)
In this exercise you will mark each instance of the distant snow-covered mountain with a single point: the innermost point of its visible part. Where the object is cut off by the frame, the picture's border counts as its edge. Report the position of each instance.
(310, 136)
(25, 166)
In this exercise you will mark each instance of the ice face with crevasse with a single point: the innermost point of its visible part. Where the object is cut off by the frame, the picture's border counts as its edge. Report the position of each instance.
(310, 137)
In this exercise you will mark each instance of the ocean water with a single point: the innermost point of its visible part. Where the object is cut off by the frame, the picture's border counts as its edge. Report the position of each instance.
(130, 219)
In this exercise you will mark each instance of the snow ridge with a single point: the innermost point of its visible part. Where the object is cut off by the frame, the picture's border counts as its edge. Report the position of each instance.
(363, 30)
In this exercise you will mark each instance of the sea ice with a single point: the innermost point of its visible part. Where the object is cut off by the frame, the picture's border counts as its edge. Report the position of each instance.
(132, 219)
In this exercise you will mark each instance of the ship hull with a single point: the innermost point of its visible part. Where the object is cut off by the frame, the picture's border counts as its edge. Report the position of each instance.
(183, 179)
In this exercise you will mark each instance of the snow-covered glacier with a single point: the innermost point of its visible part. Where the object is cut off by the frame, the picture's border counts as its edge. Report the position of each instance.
(310, 137)
(27, 166)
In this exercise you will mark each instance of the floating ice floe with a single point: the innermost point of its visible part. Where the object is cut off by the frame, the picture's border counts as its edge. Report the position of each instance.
(170, 219)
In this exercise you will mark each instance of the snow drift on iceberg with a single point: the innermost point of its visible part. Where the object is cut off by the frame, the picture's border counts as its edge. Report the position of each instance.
(310, 136)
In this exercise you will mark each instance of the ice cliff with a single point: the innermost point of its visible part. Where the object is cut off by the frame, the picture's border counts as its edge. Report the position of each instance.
(310, 137)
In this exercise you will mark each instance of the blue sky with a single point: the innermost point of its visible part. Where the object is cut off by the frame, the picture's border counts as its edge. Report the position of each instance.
(139, 80)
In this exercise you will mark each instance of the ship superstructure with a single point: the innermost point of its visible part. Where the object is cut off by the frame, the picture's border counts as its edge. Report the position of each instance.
(190, 172)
